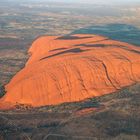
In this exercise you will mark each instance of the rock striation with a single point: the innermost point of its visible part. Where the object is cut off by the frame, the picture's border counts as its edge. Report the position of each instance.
(72, 68)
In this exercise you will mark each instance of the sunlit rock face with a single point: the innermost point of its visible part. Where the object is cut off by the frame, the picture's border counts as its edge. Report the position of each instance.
(72, 68)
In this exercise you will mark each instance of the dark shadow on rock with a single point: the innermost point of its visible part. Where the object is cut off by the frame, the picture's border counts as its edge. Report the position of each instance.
(70, 37)
(75, 50)
(93, 45)
(106, 45)
(58, 49)
(121, 32)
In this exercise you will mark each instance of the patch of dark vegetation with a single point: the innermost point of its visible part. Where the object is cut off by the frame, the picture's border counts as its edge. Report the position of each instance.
(71, 107)
(7, 126)
(121, 127)
(126, 92)
(27, 130)
(90, 103)
(11, 43)
(66, 137)
(49, 124)
(2, 90)
(23, 106)
(123, 124)
(59, 137)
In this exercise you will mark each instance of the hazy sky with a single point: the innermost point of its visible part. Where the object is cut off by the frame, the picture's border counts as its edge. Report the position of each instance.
(108, 2)
(86, 1)
(101, 1)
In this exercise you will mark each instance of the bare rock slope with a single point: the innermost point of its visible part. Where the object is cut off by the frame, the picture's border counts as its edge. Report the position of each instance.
(72, 68)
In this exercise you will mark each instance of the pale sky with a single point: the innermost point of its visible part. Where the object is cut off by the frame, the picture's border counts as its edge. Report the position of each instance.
(108, 2)
(100, 1)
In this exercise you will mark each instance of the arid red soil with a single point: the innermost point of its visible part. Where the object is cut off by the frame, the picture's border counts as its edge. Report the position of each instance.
(72, 68)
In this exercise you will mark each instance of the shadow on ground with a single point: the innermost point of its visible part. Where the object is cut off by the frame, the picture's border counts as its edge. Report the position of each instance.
(121, 32)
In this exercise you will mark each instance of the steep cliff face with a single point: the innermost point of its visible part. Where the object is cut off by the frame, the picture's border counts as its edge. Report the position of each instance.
(73, 68)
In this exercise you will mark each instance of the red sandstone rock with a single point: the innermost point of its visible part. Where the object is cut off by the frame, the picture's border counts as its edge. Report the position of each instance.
(68, 69)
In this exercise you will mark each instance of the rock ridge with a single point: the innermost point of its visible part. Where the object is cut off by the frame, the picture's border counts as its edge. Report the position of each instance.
(72, 68)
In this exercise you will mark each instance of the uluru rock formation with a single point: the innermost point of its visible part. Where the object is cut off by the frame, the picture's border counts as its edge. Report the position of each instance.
(72, 68)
